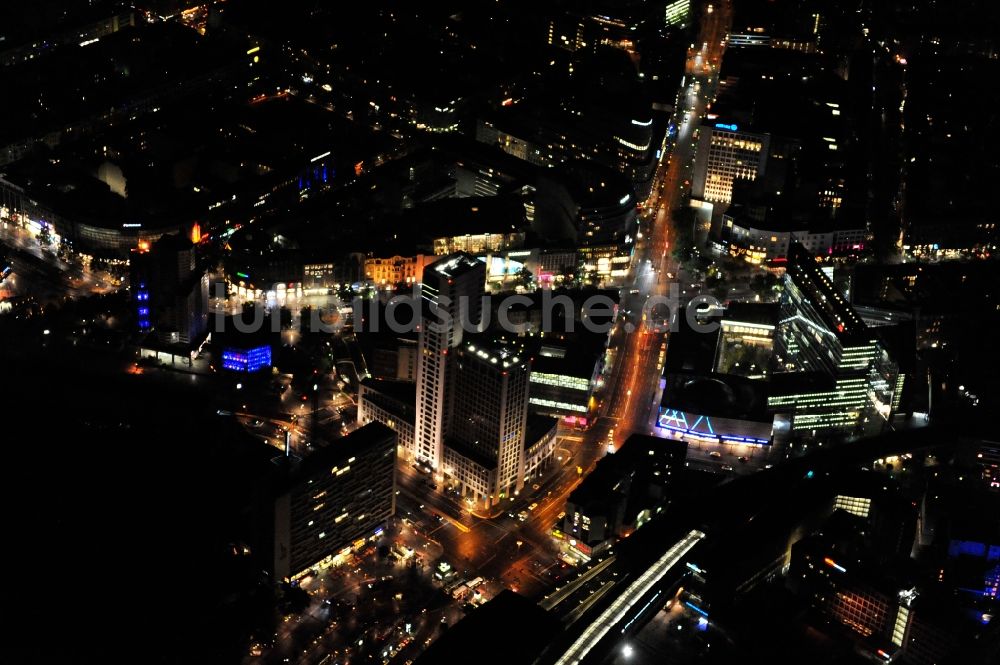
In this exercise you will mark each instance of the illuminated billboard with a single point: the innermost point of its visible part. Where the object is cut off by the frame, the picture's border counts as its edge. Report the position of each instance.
(713, 429)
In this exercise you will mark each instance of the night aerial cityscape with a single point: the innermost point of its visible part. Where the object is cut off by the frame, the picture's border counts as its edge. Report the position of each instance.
(521, 332)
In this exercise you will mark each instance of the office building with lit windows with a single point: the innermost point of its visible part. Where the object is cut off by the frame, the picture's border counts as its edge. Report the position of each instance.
(478, 243)
(832, 585)
(390, 402)
(320, 275)
(484, 450)
(338, 498)
(833, 373)
(727, 154)
(451, 292)
(678, 13)
(893, 618)
(564, 374)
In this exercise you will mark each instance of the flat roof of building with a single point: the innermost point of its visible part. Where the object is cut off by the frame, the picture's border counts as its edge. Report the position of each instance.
(690, 351)
(717, 396)
(473, 215)
(341, 450)
(762, 314)
(571, 354)
(402, 391)
(537, 427)
(599, 485)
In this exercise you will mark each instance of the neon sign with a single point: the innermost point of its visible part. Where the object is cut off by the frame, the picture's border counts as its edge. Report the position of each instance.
(702, 428)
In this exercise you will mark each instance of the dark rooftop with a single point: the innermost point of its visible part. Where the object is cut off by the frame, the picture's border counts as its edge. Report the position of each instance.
(690, 351)
(462, 216)
(404, 391)
(527, 629)
(537, 426)
(717, 396)
(573, 354)
(765, 314)
(339, 451)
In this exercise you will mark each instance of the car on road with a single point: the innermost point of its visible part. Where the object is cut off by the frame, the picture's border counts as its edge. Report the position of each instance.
(715, 454)
(523, 515)
(741, 459)
(726, 467)
(532, 506)
(535, 486)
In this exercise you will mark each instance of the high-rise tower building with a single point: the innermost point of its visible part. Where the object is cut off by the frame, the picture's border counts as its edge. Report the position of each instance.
(170, 291)
(485, 442)
(339, 495)
(833, 371)
(451, 299)
(726, 154)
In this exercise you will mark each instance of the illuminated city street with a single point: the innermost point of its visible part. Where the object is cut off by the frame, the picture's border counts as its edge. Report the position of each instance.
(512, 333)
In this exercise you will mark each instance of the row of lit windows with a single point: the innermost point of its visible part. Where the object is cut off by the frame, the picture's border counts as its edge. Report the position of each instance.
(566, 406)
(725, 143)
(859, 506)
(560, 380)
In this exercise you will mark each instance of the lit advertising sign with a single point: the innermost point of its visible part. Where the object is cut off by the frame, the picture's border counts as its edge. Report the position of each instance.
(713, 429)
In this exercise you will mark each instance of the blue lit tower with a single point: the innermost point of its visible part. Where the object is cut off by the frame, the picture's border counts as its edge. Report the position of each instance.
(170, 293)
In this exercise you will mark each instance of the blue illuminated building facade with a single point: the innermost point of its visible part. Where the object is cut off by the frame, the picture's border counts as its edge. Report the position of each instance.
(316, 174)
(246, 360)
(169, 292)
